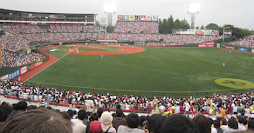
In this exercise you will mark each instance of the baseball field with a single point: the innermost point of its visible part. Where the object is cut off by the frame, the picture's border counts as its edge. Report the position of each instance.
(147, 71)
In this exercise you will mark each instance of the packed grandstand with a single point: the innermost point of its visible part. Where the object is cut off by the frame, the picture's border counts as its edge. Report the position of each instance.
(16, 47)
(19, 36)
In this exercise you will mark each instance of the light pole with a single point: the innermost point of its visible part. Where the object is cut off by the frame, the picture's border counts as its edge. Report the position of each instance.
(193, 10)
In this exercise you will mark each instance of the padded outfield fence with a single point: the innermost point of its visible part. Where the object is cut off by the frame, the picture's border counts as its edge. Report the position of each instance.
(151, 94)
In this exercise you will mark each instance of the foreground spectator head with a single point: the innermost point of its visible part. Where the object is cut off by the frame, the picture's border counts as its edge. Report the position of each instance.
(5, 111)
(132, 120)
(95, 127)
(22, 105)
(155, 122)
(93, 117)
(71, 113)
(82, 114)
(232, 123)
(99, 112)
(106, 118)
(179, 124)
(203, 123)
(251, 124)
(119, 113)
(37, 121)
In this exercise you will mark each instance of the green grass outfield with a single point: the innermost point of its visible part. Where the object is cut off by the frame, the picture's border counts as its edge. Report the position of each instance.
(155, 69)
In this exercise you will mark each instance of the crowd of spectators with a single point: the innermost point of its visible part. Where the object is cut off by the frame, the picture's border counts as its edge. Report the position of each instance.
(19, 117)
(8, 59)
(136, 27)
(30, 58)
(244, 42)
(168, 39)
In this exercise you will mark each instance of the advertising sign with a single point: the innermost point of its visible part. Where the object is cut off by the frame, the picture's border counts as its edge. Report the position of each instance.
(120, 17)
(131, 17)
(137, 17)
(228, 32)
(103, 21)
(229, 47)
(252, 50)
(142, 17)
(126, 17)
(218, 45)
(23, 70)
(198, 32)
(154, 18)
(215, 32)
(148, 18)
(13, 75)
(202, 46)
(243, 49)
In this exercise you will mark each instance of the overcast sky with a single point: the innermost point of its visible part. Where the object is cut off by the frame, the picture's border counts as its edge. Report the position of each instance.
(235, 12)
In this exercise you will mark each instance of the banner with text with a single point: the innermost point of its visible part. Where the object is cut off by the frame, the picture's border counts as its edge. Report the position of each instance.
(126, 17)
(131, 17)
(138, 17)
(230, 47)
(197, 32)
(206, 45)
(243, 49)
(13, 75)
(23, 70)
(120, 17)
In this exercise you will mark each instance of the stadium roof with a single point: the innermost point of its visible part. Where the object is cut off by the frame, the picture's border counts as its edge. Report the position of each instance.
(8, 10)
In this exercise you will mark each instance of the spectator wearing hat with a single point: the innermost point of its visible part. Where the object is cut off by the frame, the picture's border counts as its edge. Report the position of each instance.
(106, 120)
(95, 127)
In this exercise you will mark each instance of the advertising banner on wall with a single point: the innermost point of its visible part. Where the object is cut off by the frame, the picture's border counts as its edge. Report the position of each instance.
(230, 47)
(13, 75)
(23, 70)
(243, 49)
(126, 17)
(154, 18)
(215, 32)
(131, 17)
(218, 45)
(120, 17)
(198, 32)
(252, 50)
(148, 18)
(103, 21)
(206, 45)
(137, 17)
(202, 46)
(142, 17)
(228, 32)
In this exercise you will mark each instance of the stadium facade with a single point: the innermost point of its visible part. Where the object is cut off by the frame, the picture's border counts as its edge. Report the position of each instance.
(7, 15)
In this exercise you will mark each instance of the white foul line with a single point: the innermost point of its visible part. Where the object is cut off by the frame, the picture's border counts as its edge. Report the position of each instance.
(47, 66)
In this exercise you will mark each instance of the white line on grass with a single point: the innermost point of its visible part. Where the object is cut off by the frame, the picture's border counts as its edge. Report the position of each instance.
(47, 66)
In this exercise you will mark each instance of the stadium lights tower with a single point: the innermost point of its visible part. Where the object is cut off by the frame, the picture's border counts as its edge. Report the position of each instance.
(193, 10)
(110, 11)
